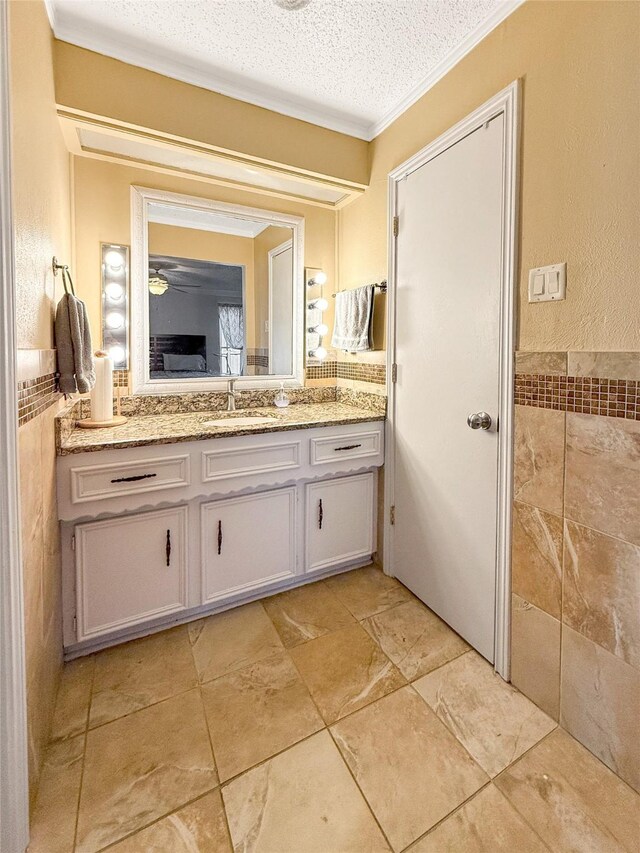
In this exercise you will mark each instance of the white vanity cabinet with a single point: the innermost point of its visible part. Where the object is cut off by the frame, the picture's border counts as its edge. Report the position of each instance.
(247, 542)
(160, 534)
(339, 521)
(130, 570)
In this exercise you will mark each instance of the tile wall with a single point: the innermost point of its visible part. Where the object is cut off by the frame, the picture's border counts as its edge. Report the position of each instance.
(39, 403)
(576, 547)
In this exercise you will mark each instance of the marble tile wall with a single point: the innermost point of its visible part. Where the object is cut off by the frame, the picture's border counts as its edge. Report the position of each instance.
(576, 549)
(40, 557)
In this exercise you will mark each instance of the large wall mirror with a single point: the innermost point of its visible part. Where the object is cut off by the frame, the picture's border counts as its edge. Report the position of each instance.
(217, 293)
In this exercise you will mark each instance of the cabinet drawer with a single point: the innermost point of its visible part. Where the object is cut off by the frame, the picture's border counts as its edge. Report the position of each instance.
(130, 570)
(356, 445)
(249, 459)
(98, 482)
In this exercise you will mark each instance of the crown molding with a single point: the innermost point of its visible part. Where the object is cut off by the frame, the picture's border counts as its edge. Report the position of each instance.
(474, 38)
(134, 52)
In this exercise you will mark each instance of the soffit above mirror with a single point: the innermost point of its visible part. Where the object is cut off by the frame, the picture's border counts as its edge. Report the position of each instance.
(103, 140)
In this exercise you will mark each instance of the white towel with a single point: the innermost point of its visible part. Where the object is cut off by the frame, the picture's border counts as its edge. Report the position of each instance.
(354, 314)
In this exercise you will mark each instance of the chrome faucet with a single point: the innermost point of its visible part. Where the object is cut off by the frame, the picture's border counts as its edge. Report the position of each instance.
(231, 395)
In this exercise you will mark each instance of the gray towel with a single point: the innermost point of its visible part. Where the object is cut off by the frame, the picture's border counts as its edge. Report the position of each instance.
(354, 314)
(73, 344)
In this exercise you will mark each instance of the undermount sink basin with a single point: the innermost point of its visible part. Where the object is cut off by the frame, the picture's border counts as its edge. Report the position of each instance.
(233, 421)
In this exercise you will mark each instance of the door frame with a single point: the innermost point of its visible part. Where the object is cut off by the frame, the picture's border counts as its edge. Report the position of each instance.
(272, 253)
(507, 103)
(14, 795)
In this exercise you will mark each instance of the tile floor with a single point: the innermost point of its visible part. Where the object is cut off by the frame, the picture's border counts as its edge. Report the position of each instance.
(341, 716)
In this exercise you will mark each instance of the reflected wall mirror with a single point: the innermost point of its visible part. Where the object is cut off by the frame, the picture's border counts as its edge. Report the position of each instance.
(217, 293)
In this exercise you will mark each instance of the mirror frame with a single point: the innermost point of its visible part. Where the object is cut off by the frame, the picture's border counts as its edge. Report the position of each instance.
(142, 383)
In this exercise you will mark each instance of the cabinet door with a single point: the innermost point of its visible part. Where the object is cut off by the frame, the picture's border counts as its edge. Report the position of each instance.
(247, 542)
(130, 570)
(339, 521)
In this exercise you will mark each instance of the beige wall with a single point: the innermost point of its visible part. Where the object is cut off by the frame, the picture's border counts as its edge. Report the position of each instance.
(208, 246)
(102, 199)
(41, 210)
(144, 98)
(580, 166)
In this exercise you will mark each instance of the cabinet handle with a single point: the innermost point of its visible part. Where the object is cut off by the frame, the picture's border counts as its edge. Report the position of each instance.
(133, 479)
(320, 515)
(219, 537)
(347, 447)
(168, 547)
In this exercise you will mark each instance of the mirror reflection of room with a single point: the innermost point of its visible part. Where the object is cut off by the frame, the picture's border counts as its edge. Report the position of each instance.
(220, 295)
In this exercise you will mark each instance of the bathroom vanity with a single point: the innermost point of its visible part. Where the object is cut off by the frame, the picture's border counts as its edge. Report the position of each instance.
(174, 516)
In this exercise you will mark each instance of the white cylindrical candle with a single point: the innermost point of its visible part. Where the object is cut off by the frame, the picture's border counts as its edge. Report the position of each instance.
(102, 392)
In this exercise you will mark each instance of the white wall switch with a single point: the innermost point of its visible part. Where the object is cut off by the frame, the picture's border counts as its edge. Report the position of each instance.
(548, 284)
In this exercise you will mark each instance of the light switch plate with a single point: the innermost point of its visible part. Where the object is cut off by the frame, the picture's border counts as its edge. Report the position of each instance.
(548, 284)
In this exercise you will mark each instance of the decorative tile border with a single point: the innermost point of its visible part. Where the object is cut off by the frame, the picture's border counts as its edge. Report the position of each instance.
(358, 371)
(615, 398)
(35, 396)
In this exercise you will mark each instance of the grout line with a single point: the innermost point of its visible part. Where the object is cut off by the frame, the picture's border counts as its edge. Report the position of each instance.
(215, 764)
(84, 754)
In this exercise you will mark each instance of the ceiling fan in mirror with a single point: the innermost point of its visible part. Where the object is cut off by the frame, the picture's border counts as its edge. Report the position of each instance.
(159, 283)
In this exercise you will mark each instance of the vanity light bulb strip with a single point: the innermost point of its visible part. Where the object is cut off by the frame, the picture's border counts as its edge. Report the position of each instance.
(115, 303)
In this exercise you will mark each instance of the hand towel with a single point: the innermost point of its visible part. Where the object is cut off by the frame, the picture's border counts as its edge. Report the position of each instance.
(354, 314)
(73, 345)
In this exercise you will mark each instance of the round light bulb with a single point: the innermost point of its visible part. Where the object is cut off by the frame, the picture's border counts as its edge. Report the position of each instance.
(320, 278)
(320, 304)
(322, 329)
(320, 353)
(117, 354)
(114, 291)
(114, 320)
(114, 259)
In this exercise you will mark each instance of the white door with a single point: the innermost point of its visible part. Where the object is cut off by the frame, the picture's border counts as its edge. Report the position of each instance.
(281, 309)
(130, 570)
(448, 275)
(248, 542)
(339, 521)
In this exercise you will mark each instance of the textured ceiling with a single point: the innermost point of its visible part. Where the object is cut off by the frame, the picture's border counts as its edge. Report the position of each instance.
(348, 64)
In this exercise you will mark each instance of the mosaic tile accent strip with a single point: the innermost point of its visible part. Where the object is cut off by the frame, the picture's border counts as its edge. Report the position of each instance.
(616, 398)
(35, 396)
(359, 371)
(376, 373)
(322, 370)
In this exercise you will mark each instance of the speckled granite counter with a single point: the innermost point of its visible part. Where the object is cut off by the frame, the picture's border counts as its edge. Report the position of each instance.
(142, 430)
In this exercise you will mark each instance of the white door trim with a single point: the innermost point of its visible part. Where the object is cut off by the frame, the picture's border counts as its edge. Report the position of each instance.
(507, 103)
(14, 796)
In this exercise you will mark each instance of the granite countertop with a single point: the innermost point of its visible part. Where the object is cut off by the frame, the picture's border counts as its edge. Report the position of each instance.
(143, 430)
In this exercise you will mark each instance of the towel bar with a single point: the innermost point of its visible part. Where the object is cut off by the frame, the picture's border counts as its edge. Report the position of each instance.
(382, 285)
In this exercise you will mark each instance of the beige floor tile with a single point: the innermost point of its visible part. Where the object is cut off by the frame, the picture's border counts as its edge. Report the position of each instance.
(74, 695)
(415, 639)
(535, 655)
(492, 720)
(231, 640)
(487, 823)
(367, 591)
(302, 801)
(571, 800)
(141, 767)
(306, 613)
(601, 704)
(140, 673)
(53, 822)
(410, 768)
(345, 671)
(257, 711)
(200, 827)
